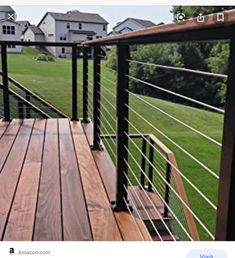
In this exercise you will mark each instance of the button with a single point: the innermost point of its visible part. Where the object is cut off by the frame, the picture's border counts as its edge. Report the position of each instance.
(207, 254)
(200, 18)
(180, 17)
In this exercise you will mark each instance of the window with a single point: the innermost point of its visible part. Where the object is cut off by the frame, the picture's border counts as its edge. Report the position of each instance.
(104, 27)
(50, 35)
(4, 29)
(62, 50)
(68, 25)
(80, 26)
(10, 30)
(98, 37)
(11, 46)
(89, 38)
(63, 37)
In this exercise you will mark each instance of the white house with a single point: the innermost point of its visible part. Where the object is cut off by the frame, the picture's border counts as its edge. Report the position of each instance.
(10, 30)
(73, 26)
(24, 25)
(130, 24)
(33, 33)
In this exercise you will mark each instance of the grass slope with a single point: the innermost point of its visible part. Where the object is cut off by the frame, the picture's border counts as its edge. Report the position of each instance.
(53, 82)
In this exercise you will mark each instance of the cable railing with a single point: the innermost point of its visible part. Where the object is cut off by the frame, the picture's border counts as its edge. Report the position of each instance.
(34, 97)
(140, 130)
(166, 163)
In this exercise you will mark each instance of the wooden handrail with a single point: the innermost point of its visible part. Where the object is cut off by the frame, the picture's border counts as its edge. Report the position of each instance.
(179, 186)
(186, 27)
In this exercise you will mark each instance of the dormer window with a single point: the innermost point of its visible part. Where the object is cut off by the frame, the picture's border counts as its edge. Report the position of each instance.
(68, 25)
(79, 26)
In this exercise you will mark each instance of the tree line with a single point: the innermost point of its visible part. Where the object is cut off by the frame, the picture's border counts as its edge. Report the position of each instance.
(205, 56)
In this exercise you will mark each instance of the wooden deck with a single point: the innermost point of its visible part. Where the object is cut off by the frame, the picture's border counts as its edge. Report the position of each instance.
(53, 187)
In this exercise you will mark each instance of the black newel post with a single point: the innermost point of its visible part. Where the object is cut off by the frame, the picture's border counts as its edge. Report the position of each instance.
(74, 83)
(85, 85)
(96, 99)
(6, 102)
(123, 53)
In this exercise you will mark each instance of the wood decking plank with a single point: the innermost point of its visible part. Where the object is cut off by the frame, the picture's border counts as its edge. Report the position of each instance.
(21, 221)
(76, 224)
(7, 140)
(11, 171)
(103, 223)
(108, 174)
(3, 127)
(104, 163)
(130, 229)
(48, 223)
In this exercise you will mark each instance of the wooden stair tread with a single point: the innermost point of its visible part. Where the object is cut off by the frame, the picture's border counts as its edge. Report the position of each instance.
(148, 206)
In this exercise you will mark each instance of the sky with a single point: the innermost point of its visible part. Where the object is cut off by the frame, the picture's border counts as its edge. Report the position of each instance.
(112, 14)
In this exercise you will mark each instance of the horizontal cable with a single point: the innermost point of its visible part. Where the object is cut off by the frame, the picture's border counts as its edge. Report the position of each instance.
(107, 112)
(110, 148)
(176, 94)
(107, 90)
(113, 130)
(177, 145)
(145, 211)
(114, 108)
(151, 202)
(110, 69)
(108, 80)
(182, 201)
(224, 76)
(176, 119)
(178, 171)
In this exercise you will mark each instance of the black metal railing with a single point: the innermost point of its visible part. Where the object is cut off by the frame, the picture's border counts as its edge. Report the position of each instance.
(191, 31)
(25, 104)
(114, 129)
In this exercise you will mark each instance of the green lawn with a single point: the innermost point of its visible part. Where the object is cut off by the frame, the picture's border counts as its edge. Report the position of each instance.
(52, 80)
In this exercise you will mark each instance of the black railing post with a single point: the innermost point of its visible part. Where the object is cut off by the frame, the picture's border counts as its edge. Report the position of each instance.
(85, 85)
(6, 102)
(151, 160)
(225, 225)
(143, 162)
(28, 113)
(74, 83)
(20, 109)
(167, 189)
(123, 53)
(96, 98)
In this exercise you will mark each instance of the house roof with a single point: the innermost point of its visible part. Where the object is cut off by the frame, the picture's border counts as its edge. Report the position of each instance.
(35, 30)
(23, 23)
(143, 23)
(4, 20)
(83, 32)
(6, 8)
(76, 16)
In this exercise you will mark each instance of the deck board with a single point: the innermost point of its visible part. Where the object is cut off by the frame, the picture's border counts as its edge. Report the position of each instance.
(101, 216)
(53, 187)
(11, 171)
(7, 140)
(76, 225)
(48, 224)
(21, 220)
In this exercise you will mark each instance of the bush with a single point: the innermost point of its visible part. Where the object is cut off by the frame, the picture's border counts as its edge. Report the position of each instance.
(45, 58)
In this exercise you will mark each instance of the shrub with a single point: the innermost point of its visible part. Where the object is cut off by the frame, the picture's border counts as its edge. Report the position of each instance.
(45, 58)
